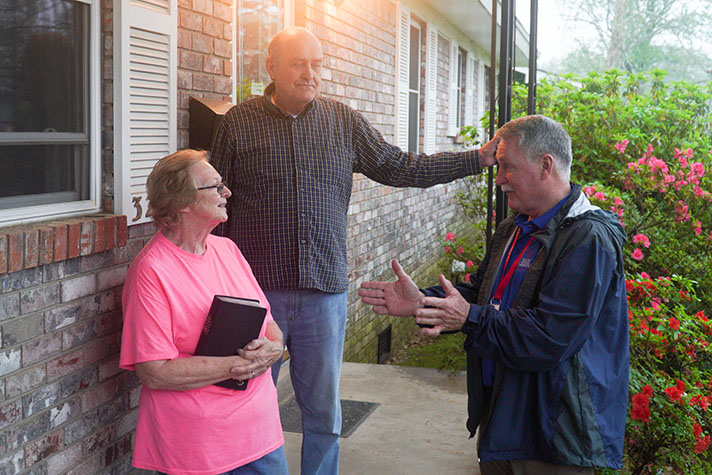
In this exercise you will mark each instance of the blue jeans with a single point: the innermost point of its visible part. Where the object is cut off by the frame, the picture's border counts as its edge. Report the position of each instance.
(274, 462)
(313, 323)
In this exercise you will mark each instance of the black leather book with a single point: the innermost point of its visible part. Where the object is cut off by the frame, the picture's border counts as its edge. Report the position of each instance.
(232, 323)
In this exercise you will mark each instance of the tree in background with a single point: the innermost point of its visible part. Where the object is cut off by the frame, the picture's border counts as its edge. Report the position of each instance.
(640, 35)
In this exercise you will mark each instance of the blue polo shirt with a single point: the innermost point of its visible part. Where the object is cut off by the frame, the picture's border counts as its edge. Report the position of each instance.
(526, 227)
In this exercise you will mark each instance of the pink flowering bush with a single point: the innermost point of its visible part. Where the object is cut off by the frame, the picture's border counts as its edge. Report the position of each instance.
(665, 206)
(461, 257)
(670, 421)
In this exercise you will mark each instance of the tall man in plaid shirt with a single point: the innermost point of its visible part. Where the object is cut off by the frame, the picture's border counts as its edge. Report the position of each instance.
(289, 158)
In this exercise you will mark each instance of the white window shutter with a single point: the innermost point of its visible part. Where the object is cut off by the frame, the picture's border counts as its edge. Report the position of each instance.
(453, 107)
(145, 69)
(480, 98)
(470, 88)
(402, 74)
(431, 81)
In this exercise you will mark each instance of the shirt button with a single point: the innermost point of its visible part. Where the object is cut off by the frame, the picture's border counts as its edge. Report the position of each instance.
(301, 188)
(304, 215)
(303, 241)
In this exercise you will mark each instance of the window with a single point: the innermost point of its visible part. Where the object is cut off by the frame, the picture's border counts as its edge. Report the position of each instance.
(414, 89)
(48, 82)
(258, 21)
(461, 69)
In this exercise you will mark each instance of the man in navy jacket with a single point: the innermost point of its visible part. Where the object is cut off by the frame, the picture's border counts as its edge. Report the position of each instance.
(545, 317)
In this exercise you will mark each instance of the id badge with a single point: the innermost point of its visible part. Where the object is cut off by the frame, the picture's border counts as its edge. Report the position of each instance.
(495, 303)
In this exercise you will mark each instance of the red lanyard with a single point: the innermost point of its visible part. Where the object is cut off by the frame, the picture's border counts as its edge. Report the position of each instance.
(504, 280)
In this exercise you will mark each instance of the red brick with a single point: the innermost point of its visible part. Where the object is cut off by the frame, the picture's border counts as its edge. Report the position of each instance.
(212, 27)
(122, 231)
(10, 413)
(190, 20)
(223, 48)
(60, 242)
(190, 60)
(86, 239)
(110, 231)
(98, 395)
(184, 39)
(117, 450)
(223, 12)
(203, 6)
(227, 32)
(3, 253)
(202, 43)
(99, 235)
(227, 67)
(15, 244)
(65, 364)
(41, 449)
(74, 231)
(212, 65)
(32, 247)
(46, 245)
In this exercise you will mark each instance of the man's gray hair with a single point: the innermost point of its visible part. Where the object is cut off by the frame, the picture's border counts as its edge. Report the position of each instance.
(275, 44)
(539, 135)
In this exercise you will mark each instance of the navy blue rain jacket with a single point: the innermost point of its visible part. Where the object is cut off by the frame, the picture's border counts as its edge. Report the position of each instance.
(560, 393)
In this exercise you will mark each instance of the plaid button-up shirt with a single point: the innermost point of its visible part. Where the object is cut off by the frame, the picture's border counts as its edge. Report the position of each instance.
(291, 184)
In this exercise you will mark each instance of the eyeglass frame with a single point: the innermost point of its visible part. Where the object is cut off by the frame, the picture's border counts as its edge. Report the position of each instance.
(220, 187)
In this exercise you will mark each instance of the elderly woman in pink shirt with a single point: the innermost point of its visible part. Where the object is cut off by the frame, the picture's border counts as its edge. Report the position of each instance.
(186, 424)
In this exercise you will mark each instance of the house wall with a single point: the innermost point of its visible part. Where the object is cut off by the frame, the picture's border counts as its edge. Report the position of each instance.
(65, 406)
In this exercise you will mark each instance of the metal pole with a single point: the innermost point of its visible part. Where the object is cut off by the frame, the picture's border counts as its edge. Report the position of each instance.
(533, 22)
(505, 86)
(492, 111)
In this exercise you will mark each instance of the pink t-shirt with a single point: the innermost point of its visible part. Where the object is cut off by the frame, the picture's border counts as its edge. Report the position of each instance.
(166, 298)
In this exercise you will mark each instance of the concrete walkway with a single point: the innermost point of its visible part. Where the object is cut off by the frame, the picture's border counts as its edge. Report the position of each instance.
(419, 427)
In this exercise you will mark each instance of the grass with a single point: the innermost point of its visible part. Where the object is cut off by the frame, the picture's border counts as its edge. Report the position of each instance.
(441, 352)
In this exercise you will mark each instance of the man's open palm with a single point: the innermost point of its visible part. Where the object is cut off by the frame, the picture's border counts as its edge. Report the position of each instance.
(400, 298)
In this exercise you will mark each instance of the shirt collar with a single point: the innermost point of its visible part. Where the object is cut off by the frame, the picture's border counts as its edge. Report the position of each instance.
(530, 226)
(267, 100)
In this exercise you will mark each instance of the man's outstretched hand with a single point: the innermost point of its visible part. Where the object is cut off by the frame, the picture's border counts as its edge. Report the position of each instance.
(488, 153)
(400, 298)
(444, 314)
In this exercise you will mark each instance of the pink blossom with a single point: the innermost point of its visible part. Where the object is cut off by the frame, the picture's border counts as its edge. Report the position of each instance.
(449, 237)
(655, 303)
(589, 190)
(600, 196)
(681, 212)
(460, 250)
(681, 157)
(698, 228)
(469, 264)
(644, 275)
(698, 168)
(447, 249)
(617, 201)
(467, 277)
(699, 192)
(637, 254)
(641, 238)
(620, 146)
(689, 152)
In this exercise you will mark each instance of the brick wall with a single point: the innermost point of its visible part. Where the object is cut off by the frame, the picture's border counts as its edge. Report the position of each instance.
(384, 222)
(65, 407)
(205, 32)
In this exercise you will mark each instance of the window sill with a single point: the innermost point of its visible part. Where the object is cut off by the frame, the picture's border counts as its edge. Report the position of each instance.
(32, 245)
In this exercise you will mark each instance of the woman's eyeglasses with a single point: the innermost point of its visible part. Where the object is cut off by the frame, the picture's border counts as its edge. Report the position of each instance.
(220, 187)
